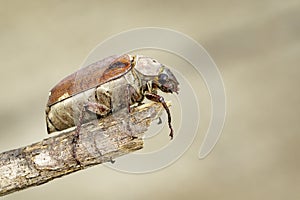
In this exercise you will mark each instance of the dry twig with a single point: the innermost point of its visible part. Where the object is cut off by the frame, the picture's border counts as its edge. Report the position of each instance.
(99, 141)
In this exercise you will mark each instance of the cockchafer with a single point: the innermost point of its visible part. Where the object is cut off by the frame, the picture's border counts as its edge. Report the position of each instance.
(107, 86)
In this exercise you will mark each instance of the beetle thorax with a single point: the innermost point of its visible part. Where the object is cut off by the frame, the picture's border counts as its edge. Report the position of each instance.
(146, 70)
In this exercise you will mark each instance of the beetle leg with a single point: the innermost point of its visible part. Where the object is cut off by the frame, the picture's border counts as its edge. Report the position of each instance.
(130, 96)
(96, 108)
(122, 98)
(76, 135)
(149, 85)
(93, 107)
(160, 99)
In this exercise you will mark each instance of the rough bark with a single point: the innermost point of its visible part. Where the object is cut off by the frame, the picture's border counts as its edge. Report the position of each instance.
(99, 141)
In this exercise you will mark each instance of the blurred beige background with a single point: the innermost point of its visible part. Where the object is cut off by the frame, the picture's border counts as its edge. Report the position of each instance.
(256, 45)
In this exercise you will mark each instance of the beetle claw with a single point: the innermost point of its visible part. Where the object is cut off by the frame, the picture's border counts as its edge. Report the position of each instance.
(133, 137)
(171, 134)
(159, 120)
(111, 160)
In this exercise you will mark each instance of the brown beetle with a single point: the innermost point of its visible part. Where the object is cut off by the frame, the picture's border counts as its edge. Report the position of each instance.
(107, 86)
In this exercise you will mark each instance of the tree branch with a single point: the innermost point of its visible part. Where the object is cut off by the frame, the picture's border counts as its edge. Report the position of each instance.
(99, 141)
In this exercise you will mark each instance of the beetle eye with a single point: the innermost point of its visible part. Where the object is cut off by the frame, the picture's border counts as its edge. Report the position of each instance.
(162, 78)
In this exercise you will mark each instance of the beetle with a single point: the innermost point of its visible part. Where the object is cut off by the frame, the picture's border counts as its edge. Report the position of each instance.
(105, 87)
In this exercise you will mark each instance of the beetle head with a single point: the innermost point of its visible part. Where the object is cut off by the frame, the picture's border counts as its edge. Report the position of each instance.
(166, 81)
(160, 76)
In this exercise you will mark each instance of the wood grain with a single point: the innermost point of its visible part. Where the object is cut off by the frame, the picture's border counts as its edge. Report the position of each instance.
(99, 141)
